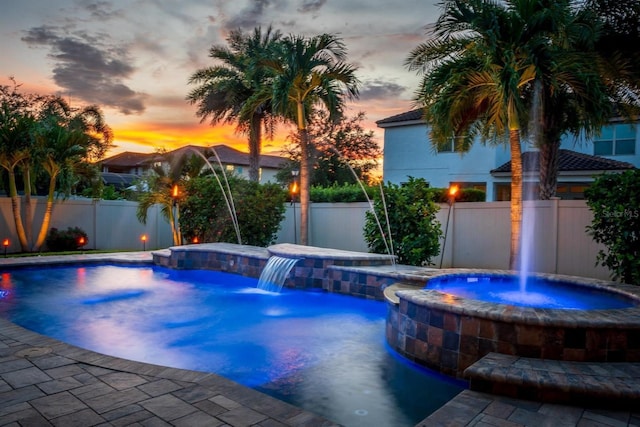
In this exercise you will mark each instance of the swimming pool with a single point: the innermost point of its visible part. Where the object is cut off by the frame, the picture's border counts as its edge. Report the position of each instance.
(323, 352)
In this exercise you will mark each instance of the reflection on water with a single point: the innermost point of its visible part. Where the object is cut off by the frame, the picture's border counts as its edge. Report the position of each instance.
(323, 352)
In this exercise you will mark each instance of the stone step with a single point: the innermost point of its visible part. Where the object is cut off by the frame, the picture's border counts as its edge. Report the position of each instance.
(590, 384)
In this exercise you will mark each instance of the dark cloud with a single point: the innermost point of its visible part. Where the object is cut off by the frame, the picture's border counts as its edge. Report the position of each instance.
(88, 69)
(251, 16)
(101, 10)
(379, 89)
(311, 5)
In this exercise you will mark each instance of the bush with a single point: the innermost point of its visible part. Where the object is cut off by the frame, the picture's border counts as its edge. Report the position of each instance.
(614, 200)
(412, 218)
(71, 239)
(441, 195)
(346, 193)
(259, 208)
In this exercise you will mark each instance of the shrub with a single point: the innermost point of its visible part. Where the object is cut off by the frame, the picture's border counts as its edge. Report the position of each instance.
(412, 221)
(441, 195)
(614, 200)
(346, 193)
(259, 208)
(71, 239)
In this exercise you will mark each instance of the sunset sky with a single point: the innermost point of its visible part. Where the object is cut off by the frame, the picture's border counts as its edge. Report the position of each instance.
(133, 58)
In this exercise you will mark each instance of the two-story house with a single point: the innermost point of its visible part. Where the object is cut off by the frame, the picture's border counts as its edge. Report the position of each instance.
(409, 152)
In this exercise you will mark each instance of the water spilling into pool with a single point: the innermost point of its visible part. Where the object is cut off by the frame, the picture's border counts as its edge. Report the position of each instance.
(275, 272)
(323, 352)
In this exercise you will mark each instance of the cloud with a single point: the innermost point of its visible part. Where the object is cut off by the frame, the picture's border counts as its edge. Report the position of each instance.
(378, 89)
(311, 6)
(86, 68)
(251, 16)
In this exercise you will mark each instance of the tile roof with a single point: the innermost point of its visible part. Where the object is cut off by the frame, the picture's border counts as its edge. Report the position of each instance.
(128, 158)
(402, 117)
(568, 161)
(227, 155)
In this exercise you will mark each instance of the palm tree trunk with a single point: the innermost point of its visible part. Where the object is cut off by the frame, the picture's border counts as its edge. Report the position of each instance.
(46, 220)
(516, 199)
(28, 206)
(304, 187)
(304, 174)
(17, 216)
(255, 136)
(549, 157)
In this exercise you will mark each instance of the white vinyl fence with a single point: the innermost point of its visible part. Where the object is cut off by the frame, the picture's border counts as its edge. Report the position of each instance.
(477, 235)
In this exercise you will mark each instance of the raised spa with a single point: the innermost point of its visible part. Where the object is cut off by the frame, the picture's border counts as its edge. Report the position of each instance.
(447, 326)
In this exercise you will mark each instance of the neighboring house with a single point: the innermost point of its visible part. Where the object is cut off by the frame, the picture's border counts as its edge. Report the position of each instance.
(123, 169)
(409, 153)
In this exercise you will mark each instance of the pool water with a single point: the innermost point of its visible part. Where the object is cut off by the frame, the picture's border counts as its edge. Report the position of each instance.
(535, 292)
(323, 352)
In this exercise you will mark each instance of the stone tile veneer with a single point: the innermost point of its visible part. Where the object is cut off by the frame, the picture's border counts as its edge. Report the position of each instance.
(328, 269)
(448, 334)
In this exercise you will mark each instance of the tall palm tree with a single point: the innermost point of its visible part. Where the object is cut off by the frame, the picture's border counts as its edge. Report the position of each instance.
(310, 72)
(571, 94)
(18, 114)
(474, 76)
(233, 92)
(65, 138)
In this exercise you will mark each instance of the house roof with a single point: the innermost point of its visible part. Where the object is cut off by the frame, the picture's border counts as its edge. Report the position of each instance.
(230, 155)
(227, 155)
(127, 158)
(409, 116)
(119, 180)
(568, 160)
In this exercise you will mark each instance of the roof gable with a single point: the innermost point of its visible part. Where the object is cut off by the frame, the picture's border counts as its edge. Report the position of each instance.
(402, 118)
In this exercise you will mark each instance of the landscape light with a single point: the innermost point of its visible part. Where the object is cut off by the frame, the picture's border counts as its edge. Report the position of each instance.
(5, 243)
(143, 238)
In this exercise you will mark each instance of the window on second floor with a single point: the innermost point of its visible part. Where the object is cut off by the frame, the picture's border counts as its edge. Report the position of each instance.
(448, 147)
(616, 140)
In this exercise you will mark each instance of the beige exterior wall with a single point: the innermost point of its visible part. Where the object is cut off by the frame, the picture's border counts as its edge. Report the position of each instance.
(477, 236)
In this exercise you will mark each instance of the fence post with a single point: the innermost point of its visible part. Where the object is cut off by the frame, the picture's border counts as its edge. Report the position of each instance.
(555, 218)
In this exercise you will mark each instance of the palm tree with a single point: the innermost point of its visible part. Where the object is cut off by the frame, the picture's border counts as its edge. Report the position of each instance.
(165, 186)
(234, 91)
(66, 138)
(18, 116)
(308, 72)
(572, 95)
(475, 73)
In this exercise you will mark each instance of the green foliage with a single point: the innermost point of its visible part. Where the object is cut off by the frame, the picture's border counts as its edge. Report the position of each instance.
(204, 213)
(441, 195)
(614, 200)
(66, 240)
(346, 193)
(412, 218)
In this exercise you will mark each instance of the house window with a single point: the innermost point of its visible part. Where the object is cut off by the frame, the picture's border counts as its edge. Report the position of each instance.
(229, 168)
(616, 140)
(448, 147)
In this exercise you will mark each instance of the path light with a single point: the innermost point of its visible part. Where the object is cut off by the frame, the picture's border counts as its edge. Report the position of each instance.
(195, 240)
(5, 243)
(143, 238)
(293, 190)
(176, 214)
(81, 242)
(453, 190)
